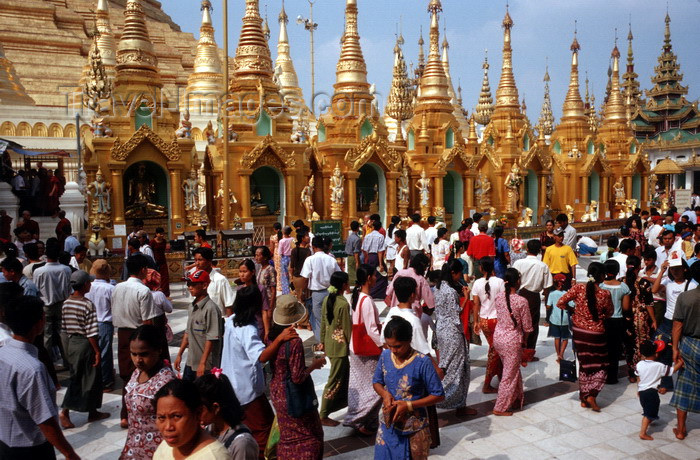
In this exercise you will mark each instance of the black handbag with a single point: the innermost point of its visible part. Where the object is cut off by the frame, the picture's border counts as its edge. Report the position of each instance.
(567, 370)
(301, 398)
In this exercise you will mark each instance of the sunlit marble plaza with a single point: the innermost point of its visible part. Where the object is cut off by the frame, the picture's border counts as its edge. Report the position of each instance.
(165, 129)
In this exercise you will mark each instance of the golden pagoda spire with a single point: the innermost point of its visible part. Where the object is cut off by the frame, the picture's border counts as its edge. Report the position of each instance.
(351, 70)
(105, 40)
(630, 85)
(207, 78)
(507, 92)
(421, 52)
(399, 104)
(12, 91)
(590, 109)
(573, 104)
(285, 73)
(252, 59)
(135, 51)
(615, 107)
(484, 108)
(546, 121)
(457, 110)
(434, 93)
(667, 92)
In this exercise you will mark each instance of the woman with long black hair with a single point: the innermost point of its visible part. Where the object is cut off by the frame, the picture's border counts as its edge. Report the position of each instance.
(454, 348)
(593, 306)
(336, 328)
(484, 292)
(363, 402)
(509, 338)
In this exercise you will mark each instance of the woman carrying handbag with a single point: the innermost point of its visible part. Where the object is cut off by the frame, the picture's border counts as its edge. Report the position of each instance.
(365, 343)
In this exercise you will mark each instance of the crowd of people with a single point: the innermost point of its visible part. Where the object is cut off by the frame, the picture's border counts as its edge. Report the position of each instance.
(240, 387)
(38, 189)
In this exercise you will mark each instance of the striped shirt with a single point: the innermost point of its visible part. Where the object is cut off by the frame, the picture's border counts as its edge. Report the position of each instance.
(79, 317)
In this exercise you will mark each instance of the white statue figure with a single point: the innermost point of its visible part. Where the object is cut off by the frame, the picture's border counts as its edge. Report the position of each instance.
(337, 187)
(619, 190)
(185, 129)
(592, 214)
(513, 183)
(191, 188)
(570, 213)
(423, 185)
(404, 186)
(526, 221)
(96, 244)
(100, 190)
(307, 198)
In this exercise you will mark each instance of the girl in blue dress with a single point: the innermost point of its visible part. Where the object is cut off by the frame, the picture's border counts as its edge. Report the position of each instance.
(407, 383)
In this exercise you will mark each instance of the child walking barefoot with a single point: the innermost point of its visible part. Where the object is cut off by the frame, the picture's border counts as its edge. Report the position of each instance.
(650, 373)
(558, 319)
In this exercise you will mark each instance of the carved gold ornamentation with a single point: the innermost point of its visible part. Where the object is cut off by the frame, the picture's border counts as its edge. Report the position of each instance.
(121, 152)
(370, 145)
(252, 157)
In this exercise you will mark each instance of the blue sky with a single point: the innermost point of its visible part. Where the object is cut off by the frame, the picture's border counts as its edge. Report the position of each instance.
(543, 30)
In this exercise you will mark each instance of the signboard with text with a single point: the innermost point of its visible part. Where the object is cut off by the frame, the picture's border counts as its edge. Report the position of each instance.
(332, 229)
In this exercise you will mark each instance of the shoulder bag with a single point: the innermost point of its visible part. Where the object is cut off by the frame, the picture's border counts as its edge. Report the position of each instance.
(301, 398)
(362, 343)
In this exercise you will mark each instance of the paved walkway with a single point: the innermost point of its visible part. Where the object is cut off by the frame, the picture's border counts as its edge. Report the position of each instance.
(551, 425)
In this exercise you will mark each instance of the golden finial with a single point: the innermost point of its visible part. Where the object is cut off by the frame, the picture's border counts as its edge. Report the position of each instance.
(351, 71)
(399, 104)
(484, 108)
(507, 92)
(433, 83)
(207, 78)
(105, 41)
(546, 121)
(97, 86)
(630, 85)
(421, 51)
(573, 104)
(472, 137)
(614, 107)
(135, 51)
(424, 136)
(266, 26)
(252, 59)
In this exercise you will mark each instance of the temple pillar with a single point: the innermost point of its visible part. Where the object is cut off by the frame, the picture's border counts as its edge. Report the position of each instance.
(541, 196)
(566, 199)
(391, 194)
(644, 199)
(325, 193)
(438, 193)
(628, 186)
(584, 192)
(468, 194)
(290, 192)
(176, 195)
(351, 196)
(244, 175)
(604, 193)
(117, 197)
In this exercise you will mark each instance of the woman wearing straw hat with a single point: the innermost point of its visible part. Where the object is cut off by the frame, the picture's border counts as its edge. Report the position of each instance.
(301, 434)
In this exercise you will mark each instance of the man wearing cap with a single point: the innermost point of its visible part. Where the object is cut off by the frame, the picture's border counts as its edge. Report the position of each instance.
(132, 306)
(535, 277)
(560, 258)
(202, 338)
(317, 271)
(686, 347)
(101, 297)
(219, 290)
(79, 320)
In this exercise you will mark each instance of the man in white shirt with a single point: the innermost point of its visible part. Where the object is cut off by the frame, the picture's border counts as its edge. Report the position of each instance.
(317, 271)
(654, 231)
(626, 249)
(669, 245)
(101, 296)
(142, 236)
(429, 234)
(414, 236)
(219, 289)
(132, 306)
(475, 226)
(535, 277)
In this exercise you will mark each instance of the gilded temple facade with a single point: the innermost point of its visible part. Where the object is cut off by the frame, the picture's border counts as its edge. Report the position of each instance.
(154, 143)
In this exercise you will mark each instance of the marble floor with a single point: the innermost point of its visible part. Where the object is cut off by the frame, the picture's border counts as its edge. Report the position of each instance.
(551, 425)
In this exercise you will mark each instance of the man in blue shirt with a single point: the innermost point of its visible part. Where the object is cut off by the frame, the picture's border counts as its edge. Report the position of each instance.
(28, 413)
(12, 272)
